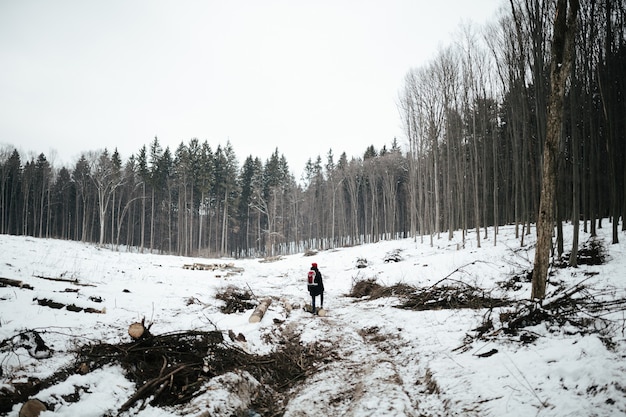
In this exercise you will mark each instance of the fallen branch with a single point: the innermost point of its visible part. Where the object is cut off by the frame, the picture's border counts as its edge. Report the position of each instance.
(71, 281)
(454, 272)
(147, 389)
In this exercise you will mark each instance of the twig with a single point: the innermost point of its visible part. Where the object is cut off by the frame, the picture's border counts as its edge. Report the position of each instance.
(527, 384)
(454, 272)
(252, 292)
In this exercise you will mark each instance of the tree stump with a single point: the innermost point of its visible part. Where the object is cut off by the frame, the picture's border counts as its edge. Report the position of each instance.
(139, 330)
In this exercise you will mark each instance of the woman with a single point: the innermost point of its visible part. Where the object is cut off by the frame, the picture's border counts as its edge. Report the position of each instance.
(316, 288)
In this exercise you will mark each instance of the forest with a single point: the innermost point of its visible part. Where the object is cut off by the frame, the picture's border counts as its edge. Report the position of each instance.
(475, 121)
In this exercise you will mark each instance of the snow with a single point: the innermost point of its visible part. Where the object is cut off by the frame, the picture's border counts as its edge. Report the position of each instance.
(383, 361)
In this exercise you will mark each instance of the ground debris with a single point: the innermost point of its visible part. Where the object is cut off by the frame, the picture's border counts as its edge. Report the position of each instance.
(361, 263)
(213, 267)
(172, 369)
(432, 298)
(236, 300)
(573, 310)
(30, 340)
(393, 256)
(70, 307)
(451, 297)
(591, 252)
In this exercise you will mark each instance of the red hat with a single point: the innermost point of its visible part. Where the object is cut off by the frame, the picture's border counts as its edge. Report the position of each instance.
(314, 264)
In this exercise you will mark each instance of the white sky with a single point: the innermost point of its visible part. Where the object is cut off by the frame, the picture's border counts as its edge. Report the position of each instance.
(300, 76)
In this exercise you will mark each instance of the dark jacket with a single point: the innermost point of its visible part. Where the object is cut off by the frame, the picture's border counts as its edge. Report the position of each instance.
(319, 288)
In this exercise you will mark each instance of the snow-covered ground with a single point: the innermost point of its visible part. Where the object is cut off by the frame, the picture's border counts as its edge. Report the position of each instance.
(382, 360)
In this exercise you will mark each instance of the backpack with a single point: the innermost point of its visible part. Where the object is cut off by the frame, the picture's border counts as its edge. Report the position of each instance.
(311, 278)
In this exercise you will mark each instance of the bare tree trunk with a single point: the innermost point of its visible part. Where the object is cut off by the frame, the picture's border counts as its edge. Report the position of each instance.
(224, 242)
(561, 55)
(494, 156)
(475, 181)
(152, 198)
(143, 215)
(575, 92)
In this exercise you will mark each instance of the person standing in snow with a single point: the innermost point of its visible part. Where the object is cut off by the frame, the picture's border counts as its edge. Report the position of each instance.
(316, 288)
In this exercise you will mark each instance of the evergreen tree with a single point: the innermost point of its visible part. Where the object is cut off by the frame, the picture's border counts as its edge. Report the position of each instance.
(81, 176)
(63, 201)
(144, 175)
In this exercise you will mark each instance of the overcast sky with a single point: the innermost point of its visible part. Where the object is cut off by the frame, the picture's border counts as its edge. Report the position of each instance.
(300, 76)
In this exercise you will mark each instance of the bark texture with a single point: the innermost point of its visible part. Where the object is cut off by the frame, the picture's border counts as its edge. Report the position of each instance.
(560, 69)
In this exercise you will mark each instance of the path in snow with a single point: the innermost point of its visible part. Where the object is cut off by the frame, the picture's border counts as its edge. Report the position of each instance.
(369, 370)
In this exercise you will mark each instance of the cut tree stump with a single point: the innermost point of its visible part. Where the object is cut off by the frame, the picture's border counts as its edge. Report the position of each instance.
(259, 312)
(139, 330)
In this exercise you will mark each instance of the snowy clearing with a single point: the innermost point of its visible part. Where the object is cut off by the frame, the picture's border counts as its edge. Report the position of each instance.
(366, 358)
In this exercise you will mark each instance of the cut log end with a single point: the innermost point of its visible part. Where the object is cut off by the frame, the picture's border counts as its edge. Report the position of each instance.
(32, 408)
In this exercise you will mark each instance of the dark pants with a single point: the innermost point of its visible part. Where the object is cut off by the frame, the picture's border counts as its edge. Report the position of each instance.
(313, 302)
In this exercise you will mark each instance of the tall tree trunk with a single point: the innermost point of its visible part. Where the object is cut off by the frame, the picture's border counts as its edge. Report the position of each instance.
(475, 181)
(143, 215)
(561, 55)
(224, 242)
(573, 258)
(152, 197)
(494, 156)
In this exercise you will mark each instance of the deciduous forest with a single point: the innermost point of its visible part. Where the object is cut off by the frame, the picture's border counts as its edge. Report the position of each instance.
(475, 121)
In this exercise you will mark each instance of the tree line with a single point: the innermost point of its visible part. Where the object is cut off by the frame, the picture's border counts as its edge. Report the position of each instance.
(475, 120)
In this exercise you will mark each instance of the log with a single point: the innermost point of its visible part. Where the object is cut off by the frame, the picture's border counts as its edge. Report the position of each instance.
(287, 306)
(320, 311)
(8, 282)
(69, 307)
(259, 312)
(71, 281)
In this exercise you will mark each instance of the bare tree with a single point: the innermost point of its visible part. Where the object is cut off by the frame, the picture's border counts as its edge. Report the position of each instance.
(106, 182)
(560, 70)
